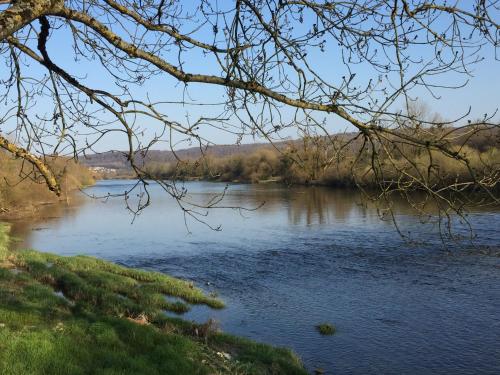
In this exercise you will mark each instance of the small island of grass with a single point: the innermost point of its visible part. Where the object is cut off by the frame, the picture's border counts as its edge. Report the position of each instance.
(325, 329)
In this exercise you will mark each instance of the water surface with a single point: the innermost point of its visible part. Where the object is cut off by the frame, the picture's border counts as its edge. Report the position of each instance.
(309, 255)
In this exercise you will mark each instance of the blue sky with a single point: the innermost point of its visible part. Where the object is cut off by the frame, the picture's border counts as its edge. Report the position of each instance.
(481, 94)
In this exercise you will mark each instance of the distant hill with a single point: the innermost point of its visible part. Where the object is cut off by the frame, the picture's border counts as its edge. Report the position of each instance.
(118, 159)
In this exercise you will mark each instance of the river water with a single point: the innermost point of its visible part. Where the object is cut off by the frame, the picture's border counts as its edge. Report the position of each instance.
(307, 256)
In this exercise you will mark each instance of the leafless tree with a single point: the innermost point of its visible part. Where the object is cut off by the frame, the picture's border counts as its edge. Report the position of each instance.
(268, 56)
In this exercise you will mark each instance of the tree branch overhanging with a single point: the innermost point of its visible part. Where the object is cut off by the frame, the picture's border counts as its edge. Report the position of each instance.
(47, 174)
(259, 53)
(23, 12)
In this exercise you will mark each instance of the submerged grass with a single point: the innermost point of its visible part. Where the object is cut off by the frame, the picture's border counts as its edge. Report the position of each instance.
(4, 241)
(81, 315)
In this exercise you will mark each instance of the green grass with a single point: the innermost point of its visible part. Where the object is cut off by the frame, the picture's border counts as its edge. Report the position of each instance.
(325, 328)
(87, 327)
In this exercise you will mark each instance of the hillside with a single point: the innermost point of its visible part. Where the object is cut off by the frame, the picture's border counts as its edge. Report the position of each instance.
(482, 141)
(118, 159)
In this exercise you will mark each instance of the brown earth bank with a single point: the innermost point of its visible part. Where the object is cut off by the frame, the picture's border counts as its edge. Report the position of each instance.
(23, 192)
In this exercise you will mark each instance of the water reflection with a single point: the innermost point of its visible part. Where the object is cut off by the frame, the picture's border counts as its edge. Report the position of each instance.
(332, 210)
(43, 218)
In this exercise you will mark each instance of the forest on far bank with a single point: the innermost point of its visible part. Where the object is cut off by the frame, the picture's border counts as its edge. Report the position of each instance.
(339, 161)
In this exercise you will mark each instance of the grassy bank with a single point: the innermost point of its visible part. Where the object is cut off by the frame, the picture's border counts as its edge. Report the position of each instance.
(82, 315)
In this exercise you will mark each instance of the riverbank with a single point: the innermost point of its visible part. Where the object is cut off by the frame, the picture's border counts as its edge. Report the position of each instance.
(23, 193)
(75, 315)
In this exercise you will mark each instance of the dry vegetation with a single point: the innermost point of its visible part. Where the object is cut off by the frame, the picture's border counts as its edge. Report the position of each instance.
(20, 189)
(335, 162)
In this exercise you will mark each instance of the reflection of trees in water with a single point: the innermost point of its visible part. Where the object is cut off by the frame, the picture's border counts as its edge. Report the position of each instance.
(309, 205)
(302, 204)
(23, 228)
(316, 205)
(298, 205)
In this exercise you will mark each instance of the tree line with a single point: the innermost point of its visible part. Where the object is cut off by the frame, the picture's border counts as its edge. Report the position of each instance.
(324, 161)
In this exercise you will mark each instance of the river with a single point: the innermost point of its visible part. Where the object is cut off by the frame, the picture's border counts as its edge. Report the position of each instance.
(307, 256)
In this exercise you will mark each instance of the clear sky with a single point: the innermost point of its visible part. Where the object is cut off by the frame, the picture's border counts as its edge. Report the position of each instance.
(481, 94)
